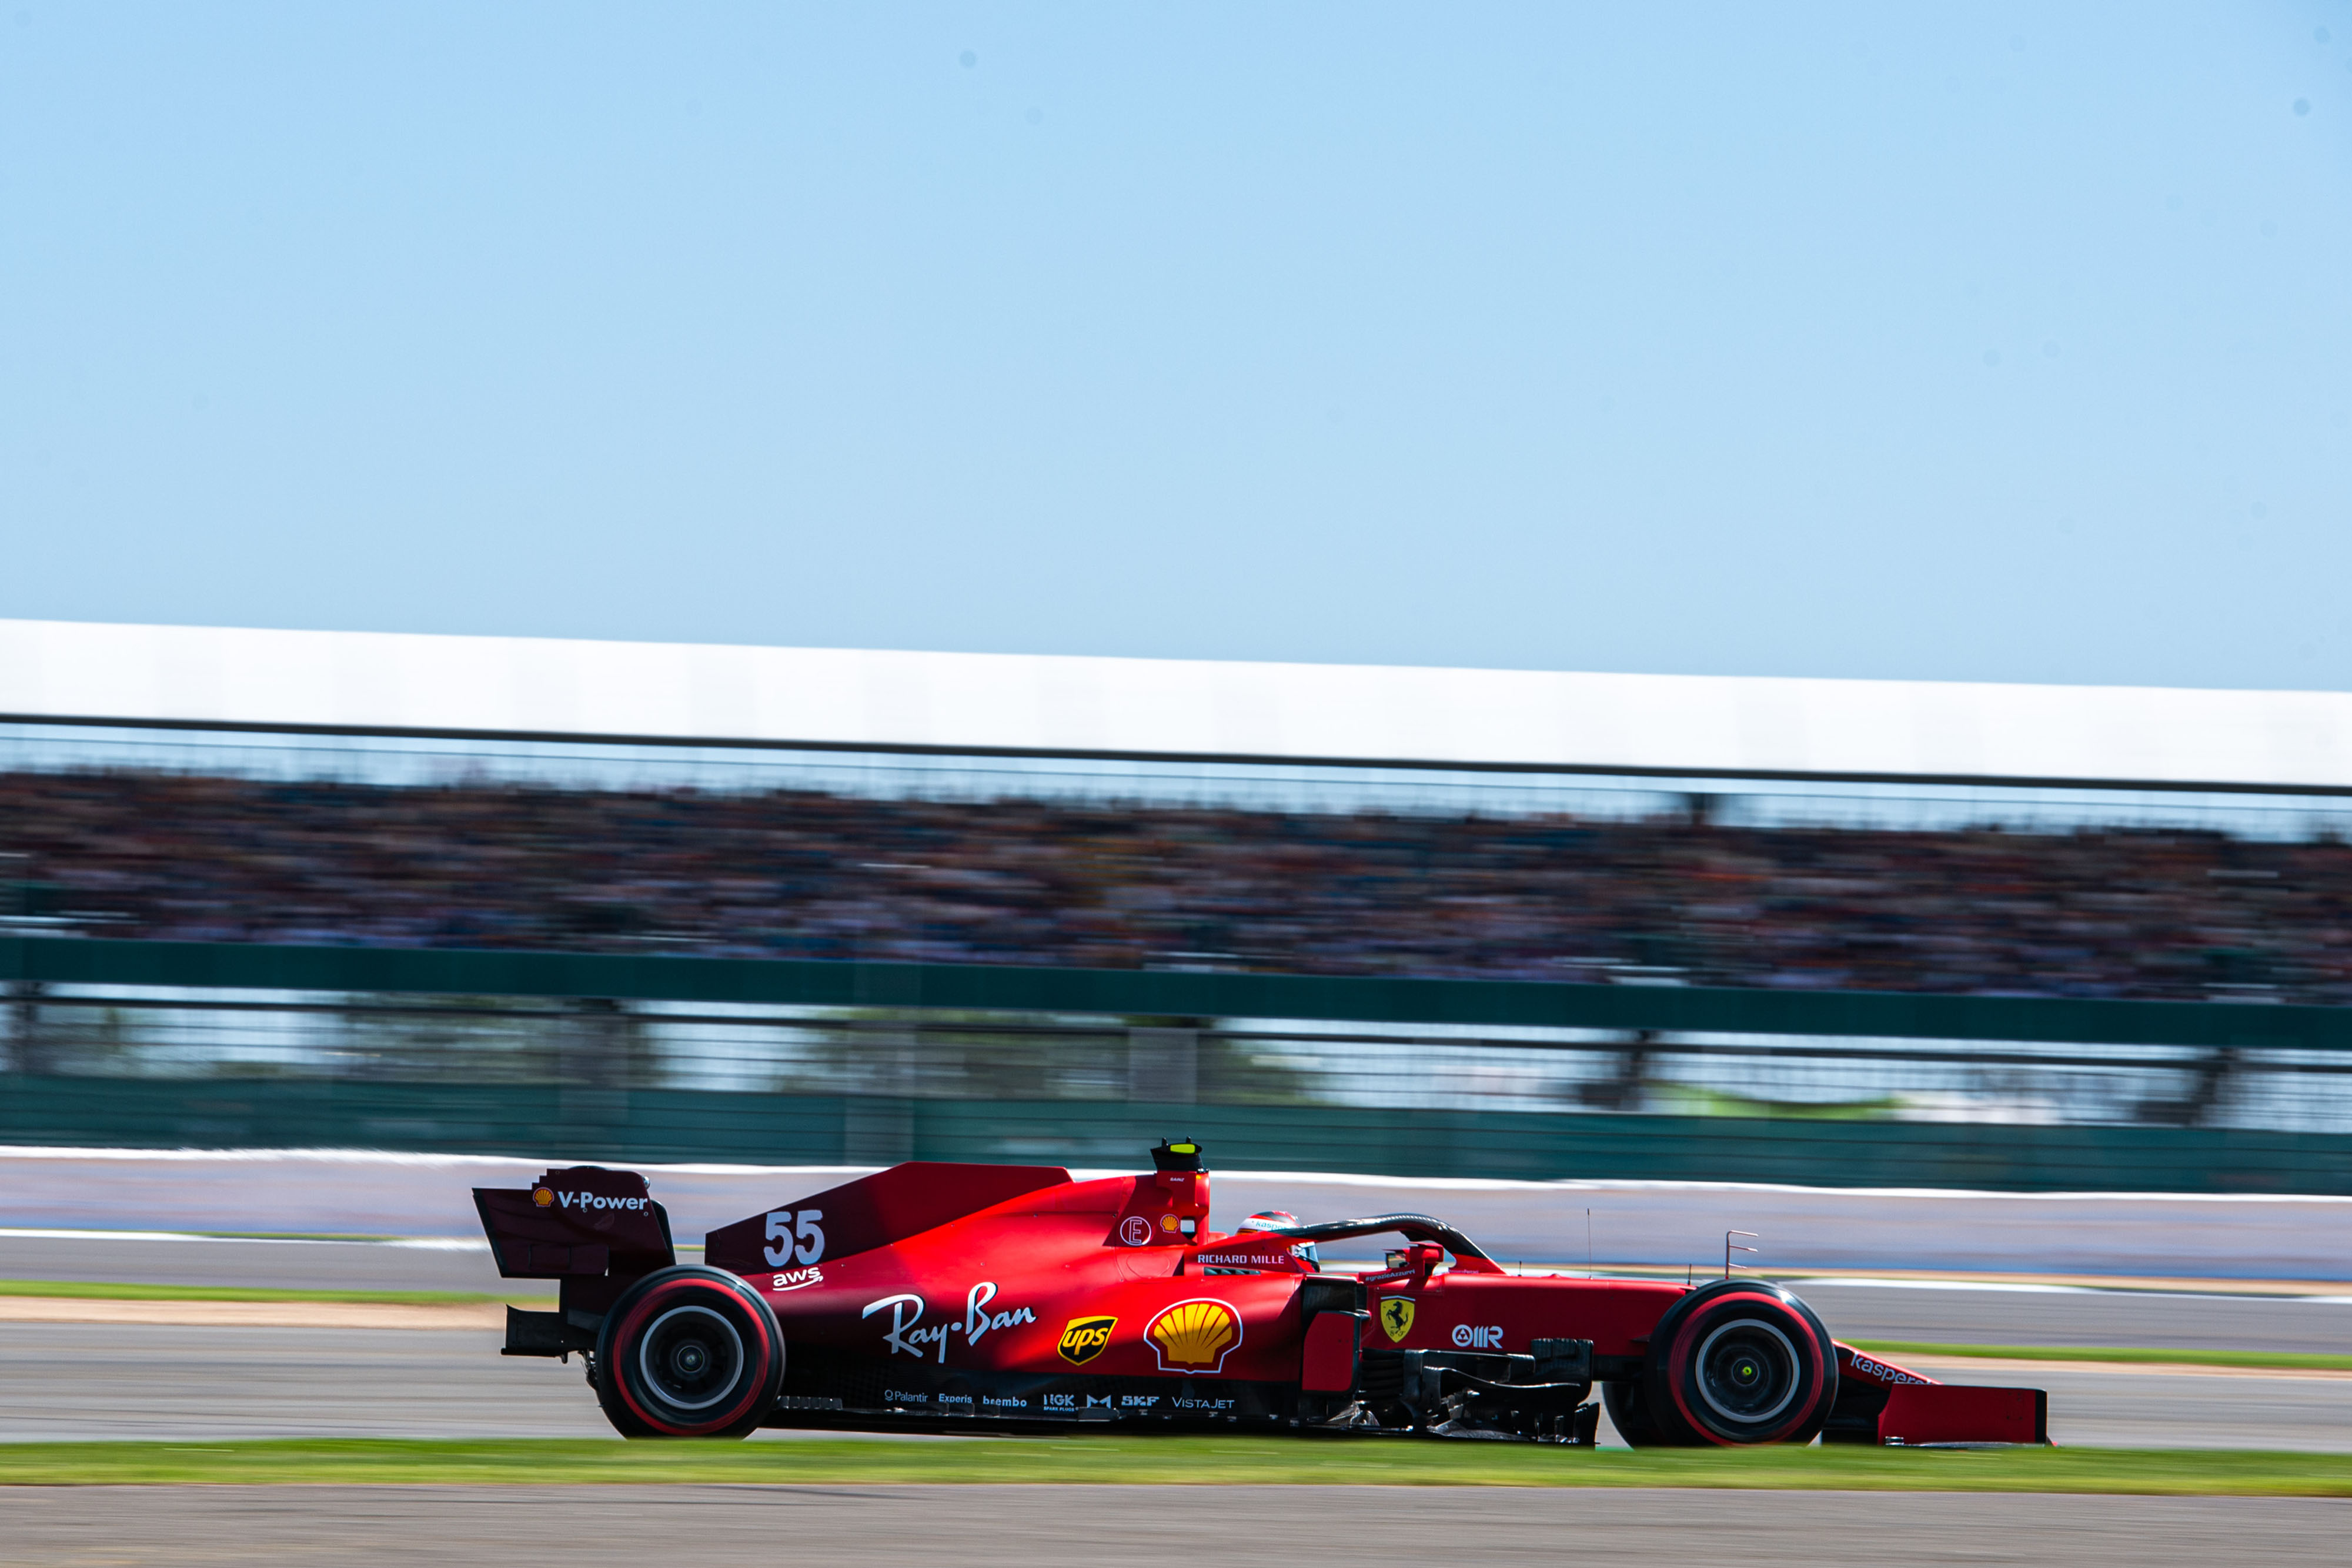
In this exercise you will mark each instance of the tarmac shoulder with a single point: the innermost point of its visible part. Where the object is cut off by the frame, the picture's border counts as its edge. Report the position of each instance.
(252, 1314)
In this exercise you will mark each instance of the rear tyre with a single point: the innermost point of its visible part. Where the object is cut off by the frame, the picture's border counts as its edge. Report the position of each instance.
(1739, 1363)
(689, 1352)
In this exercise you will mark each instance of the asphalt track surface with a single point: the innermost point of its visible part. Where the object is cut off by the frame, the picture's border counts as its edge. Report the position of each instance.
(1116, 1526)
(77, 1380)
(92, 1381)
(173, 1383)
(275, 1265)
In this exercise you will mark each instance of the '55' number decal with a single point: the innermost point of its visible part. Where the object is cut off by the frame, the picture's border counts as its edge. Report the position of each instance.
(786, 1228)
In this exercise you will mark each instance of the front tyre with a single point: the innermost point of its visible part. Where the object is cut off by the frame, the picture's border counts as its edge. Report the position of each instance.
(689, 1352)
(1739, 1363)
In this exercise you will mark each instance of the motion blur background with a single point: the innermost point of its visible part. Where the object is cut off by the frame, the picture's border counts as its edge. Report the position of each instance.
(1942, 346)
(243, 918)
(1616, 623)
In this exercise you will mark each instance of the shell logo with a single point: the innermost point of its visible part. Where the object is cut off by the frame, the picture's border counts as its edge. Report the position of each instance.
(1195, 1336)
(542, 1195)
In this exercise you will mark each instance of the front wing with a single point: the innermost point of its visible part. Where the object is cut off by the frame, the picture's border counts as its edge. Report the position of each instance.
(1881, 1402)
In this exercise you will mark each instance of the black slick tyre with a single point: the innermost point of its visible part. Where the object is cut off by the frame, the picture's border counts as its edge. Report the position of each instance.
(1629, 1412)
(1735, 1364)
(689, 1352)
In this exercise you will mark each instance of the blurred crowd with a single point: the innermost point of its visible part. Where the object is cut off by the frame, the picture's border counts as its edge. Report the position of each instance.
(808, 876)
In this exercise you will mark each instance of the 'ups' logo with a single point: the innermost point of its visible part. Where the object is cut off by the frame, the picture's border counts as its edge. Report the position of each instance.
(1195, 1336)
(1083, 1339)
(1396, 1318)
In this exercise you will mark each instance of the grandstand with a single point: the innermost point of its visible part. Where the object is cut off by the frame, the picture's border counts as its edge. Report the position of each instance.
(851, 887)
(1325, 715)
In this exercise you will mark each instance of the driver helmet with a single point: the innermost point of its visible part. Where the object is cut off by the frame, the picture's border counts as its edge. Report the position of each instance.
(1279, 1220)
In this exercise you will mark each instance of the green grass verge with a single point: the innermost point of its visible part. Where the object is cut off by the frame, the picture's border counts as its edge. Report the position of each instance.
(113, 1291)
(2274, 1360)
(1185, 1460)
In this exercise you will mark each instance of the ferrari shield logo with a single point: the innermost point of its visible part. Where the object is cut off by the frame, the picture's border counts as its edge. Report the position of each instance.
(1396, 1318)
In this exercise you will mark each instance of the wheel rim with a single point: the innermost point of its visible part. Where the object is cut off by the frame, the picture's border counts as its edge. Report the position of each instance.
(1748, 1372)
(690, 1357)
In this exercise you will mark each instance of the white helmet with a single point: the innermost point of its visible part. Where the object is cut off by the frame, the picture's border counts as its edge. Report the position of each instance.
(1276, 1219)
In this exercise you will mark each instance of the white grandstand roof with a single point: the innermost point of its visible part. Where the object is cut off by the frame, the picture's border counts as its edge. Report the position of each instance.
(967, 704)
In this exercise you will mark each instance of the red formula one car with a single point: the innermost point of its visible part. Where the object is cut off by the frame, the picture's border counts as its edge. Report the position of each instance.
(931, 1293)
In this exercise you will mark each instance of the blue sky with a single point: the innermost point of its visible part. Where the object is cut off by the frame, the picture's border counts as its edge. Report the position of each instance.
(1957, 343)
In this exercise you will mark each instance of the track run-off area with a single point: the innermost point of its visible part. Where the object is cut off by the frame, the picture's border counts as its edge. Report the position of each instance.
(1114, 1526)
(191, 1370)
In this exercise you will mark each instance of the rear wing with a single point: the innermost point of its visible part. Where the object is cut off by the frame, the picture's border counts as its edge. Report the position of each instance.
(579, 1220)
(595, 1231)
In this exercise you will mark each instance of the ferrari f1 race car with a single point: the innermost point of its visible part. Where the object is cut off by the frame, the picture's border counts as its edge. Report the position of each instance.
(931, 1294)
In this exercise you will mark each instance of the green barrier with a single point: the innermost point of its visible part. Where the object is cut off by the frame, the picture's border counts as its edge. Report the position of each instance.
(1156, 993)
(655, 1125)
(658, 1125)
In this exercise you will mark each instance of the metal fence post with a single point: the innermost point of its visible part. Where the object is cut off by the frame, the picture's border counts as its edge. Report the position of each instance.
(1163, 1066)
(29, 1050)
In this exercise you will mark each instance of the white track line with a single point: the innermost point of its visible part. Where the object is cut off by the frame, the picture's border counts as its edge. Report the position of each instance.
(414, 1243)
(1325, 1178)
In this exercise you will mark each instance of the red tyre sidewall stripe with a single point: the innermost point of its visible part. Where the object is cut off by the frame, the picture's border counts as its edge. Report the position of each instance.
(645, 1309)
(1676, 1380)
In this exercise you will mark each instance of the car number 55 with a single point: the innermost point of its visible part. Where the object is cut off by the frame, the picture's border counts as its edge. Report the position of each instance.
(786, 1228)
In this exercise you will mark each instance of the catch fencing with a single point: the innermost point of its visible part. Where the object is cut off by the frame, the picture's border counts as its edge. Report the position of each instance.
(168, 1044)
